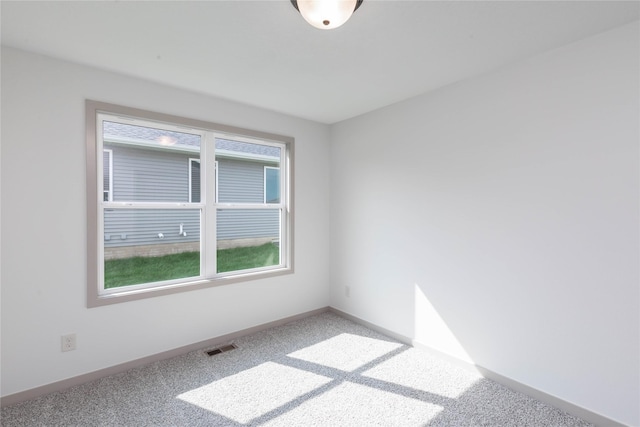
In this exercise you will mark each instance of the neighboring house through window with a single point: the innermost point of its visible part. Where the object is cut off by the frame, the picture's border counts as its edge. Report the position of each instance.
(107, 173)
(194, 180)
(184, 226)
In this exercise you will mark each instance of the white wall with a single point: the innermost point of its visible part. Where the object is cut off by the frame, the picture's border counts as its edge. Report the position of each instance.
(497, 221)
(44, 237)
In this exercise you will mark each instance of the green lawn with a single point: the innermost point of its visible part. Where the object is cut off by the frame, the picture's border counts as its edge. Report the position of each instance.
(137, 270)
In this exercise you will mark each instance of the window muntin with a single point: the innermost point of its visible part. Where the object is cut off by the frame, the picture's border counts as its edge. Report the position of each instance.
(146, 189)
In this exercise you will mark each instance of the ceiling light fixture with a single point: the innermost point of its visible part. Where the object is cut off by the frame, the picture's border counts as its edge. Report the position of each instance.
(326, 14)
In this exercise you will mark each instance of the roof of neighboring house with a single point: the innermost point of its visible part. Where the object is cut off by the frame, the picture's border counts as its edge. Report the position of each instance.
(182, 141)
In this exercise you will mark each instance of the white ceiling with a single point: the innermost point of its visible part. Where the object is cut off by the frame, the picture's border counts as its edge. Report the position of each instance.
(263, 53)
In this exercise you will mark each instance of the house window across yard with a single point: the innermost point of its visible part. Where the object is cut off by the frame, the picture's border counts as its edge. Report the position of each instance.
(194, 180)
(107, 173)
(271, 184)
(177, 204)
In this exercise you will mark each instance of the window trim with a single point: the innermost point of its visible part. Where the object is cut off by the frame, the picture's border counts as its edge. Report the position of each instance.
(94, 210)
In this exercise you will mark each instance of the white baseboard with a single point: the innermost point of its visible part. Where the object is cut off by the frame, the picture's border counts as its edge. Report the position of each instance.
(570, 408)
(12, 399)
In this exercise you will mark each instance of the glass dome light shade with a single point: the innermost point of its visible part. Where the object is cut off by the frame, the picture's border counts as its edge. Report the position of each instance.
(326, 14)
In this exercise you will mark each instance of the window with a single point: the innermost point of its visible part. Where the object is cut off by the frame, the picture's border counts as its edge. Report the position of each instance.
(187, 205)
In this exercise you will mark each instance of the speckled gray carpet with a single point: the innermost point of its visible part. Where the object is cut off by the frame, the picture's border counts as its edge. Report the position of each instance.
(319, 371)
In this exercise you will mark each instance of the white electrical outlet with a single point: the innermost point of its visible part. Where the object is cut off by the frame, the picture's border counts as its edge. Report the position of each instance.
(69, 342)
(347, 291)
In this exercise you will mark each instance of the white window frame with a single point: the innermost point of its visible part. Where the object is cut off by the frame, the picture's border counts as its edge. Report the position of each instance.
(96, 294)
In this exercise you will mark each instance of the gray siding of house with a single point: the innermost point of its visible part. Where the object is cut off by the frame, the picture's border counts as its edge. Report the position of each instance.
(149, 176)
(106, 182)
(246, 224)
(157, 176)
(243, 182)
(240, 182)
(135, 227)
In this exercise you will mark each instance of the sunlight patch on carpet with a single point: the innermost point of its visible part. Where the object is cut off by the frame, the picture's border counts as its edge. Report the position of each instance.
(254, 392)
(354, 404)
(429, 374)
(346, 352)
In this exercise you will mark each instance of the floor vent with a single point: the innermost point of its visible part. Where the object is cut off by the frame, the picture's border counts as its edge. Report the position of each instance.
(222, 349)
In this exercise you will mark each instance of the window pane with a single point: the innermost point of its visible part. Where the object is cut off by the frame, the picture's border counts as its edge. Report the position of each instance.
(149, 164)
(247, 238)
(150, 245)
(241, 170)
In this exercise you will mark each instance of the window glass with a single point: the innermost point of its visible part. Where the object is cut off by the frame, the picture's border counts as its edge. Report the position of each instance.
(241, 170)
(143, 246)
(151, 163)
(247, 238)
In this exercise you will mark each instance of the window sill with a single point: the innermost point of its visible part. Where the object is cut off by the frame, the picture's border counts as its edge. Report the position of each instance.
(125, 295)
